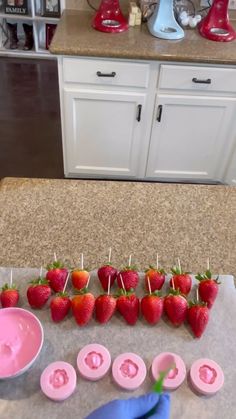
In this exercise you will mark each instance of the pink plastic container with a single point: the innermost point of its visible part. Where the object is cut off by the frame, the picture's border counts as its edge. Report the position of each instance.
(176, 376)
(206, 376)
(58, 380)
(129, 371)
(93, 361)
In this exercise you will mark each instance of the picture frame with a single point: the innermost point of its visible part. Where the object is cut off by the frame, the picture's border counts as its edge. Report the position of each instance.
(51, 8)
(16, 7)
(50, 30)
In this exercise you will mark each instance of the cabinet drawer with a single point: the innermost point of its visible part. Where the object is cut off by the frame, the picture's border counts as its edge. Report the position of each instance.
(105, 72)
(197, 78)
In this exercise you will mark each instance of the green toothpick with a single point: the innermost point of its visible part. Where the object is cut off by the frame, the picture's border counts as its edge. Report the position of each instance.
(158, 385)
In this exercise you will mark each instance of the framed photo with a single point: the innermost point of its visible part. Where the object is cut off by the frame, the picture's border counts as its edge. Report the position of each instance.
(51, 8)
(50, 29)
(16, 7)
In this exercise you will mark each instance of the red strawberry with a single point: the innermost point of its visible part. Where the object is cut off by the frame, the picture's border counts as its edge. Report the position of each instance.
(176, 307)
(60, 306)
(38, 293)
(56, 276)
(128, 306)
(152, 307)
(79, 278)
(103, 274)
(198, 317)
(208, 288)
(129, 276)
(180, 280)
(105, 306)
(9, 296)
(156, 278)
(82, 307)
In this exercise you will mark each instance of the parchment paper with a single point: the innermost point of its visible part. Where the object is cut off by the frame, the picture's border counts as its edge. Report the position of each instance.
(22, 398)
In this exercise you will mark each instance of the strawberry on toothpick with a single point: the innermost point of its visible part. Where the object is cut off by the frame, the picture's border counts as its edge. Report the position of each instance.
(155, 275)
(106, 271)
(208, 286)
(9, 294)
(182, 280)
(129, 276)
(38, 292)
(152, 306)
(175, 306)
(83, 305)
(56, 275)
(80, 276)
(60, 304)
(128, 304)
(105, 306)
(198, 316)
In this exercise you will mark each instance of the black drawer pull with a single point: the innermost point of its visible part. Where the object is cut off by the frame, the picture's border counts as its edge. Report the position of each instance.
(139, 113)
(159, 113)
(112, 74)
(207, 81)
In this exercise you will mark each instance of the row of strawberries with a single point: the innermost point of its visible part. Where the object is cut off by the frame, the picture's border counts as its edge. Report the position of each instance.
(127, 303)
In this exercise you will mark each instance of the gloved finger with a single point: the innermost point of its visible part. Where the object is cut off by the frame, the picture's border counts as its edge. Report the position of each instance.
(163, 407)
(138, 406)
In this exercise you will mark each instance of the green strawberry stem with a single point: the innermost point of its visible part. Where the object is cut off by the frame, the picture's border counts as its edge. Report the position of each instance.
(55, 265)
(39, 281)
(9, 287)
(205, 276)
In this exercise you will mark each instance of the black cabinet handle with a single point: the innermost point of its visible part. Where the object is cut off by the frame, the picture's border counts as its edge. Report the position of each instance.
(112, 74)
(139, 113)
(207, 81)
(159, 113)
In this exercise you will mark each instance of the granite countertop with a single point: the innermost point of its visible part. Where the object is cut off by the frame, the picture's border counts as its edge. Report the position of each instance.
(39, 217)
(75, 36)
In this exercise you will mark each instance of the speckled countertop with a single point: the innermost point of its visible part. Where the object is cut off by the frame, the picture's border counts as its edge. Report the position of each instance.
(75, 36)
(38, 217)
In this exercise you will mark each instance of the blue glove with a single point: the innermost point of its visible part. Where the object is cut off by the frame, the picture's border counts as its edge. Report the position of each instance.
(135, 408)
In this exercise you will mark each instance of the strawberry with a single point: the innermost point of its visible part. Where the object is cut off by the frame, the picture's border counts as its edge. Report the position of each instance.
(152, 307)
(9, 296)
(60, 306)
(180, 280)
(208, 287)
(128, 306)
(105, 306)
(129, 276)
(198, 317)
(103, 275)
(176, 306)
(56, 276)
(156, 278)
(38, 293)
(82, 307)
(79, 278)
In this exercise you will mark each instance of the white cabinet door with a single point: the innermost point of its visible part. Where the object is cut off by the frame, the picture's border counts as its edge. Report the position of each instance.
(230, 177)
(103, 131)
(191, 137)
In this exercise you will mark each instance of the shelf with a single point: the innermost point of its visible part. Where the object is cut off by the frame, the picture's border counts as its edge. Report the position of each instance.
(27, 54)
(46, 19)
(16, 17)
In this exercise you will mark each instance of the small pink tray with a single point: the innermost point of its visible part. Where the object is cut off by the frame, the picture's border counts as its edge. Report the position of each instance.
(176, 376)
(93, 361)
(129, 371)
(58, 380)
(206, 376)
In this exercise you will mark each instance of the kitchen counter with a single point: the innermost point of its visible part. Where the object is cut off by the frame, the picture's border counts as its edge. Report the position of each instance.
(75, 36)
(39, 217)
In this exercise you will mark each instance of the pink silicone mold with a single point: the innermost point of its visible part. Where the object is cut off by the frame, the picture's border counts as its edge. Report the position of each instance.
(129, 371)
(206, 376)
(93, 361)
(58, 380)
(176, 375)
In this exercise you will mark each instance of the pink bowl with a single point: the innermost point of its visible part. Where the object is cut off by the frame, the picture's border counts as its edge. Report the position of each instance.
(58, 380)
(93, 361)
(21, 340)
(129, 371)
(176, 376)
(206, 376)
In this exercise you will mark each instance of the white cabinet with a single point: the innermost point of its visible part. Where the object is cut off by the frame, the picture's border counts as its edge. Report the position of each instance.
(230, 177)
(190, 136)
(103, 132)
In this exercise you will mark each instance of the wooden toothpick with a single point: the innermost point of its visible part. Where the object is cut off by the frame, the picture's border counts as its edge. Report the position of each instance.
(179, 264)
(109, 285)
(11, 279)
(208, 264)
(197, 295)
(122, 283)
(149, 285)
(157, 261)
(88, 282)
(173, 284)
(41, 272)
(67, 279)
(130, 257)
(82, 261)
(109, 257)
(55, 257)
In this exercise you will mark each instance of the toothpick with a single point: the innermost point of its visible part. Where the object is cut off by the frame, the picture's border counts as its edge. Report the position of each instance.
(109, 285)
(55, 257)
(82, 261)
(109, 257)
(208, 264)
(179, 264)
(41, 272)
(122, 283)
(157, 261)
(149, 285)
(197, 295)
(11, 279)
(130, 257)
(88, 282)
(67, 279)
(173, 284)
